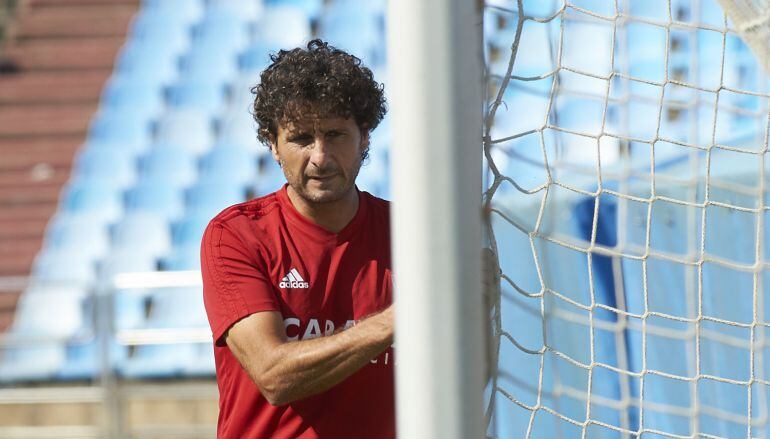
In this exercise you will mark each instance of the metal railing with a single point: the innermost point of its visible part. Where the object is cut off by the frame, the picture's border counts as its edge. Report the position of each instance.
(107, 389)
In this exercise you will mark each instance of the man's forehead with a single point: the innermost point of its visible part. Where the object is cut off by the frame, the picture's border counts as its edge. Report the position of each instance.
(315, 123)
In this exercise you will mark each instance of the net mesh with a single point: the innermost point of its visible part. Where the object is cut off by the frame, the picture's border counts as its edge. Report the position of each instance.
(625, 149)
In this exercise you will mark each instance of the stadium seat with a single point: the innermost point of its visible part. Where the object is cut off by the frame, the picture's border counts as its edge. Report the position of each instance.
(210, 195)
(184, 257)
(189, 128)
(87, 233)
(115, 165)
(82, 358)
(202, 363)
(256, 57)
(356, 28)
(284, 26)
(64, 264)
(121, 126)
(163, 28)
(373, 176)
(310, 7)
(148, 62)
(222, 27)
(250, 10)
(123, 92)
(202, 95)
(125, 260)
(97, 197)
(237, 127)
(156, 197)
(49, 315)
(39, 362)
(169, 164)
(171, 308)
(189, 231)
(210, 63)
(231, 162)
(188, 11)
(270, 178)
(144, 233)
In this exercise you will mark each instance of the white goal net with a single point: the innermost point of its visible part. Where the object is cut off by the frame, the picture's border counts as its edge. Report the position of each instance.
(625, 147)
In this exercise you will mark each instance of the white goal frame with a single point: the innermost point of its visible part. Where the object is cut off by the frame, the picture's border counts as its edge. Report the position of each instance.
(435, 88)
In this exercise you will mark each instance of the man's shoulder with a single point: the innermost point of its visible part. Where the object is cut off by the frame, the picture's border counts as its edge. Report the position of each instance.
(257, 210)
(377, 204)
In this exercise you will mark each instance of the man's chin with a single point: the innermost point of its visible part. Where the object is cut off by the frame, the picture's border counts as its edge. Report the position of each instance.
(317, 195)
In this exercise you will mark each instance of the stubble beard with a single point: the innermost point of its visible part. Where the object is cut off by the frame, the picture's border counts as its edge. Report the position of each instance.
(315, 197)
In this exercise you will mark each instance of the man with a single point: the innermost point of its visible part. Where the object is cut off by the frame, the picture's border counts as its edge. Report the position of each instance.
(297, 284)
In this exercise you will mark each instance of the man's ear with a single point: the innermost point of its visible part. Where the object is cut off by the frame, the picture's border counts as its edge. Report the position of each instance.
(274, 150)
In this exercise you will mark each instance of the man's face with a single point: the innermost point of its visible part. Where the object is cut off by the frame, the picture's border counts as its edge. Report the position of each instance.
(320, 157)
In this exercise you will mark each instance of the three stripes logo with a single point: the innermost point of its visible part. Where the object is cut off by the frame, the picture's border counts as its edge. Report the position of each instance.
(293, 280)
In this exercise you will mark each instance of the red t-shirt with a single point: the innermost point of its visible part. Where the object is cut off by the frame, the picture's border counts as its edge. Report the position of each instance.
(262, 255)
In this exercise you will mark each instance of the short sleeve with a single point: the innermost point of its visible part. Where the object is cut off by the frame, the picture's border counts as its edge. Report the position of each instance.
(235, 283)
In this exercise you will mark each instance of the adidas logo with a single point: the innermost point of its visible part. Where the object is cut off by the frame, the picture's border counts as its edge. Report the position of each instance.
(293, 280)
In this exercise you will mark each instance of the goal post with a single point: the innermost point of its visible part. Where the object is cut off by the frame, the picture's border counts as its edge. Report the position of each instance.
(435, 94)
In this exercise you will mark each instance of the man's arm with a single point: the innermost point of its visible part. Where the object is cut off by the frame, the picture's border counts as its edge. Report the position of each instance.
(286, 371)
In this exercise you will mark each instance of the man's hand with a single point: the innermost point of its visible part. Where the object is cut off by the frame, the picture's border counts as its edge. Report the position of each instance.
(286, 371)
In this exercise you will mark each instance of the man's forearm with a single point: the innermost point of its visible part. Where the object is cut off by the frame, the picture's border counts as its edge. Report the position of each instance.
(296, 370)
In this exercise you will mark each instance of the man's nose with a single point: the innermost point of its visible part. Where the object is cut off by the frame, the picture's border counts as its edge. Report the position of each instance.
(319, 155)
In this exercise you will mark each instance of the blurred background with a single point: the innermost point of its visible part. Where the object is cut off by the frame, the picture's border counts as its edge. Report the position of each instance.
(125, 126)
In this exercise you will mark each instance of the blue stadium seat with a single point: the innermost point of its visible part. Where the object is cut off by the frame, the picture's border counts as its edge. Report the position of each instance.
(210, 63)
(356, 28)
(83, 231)
(138, 95)
(238, 127)
(189, 128)
(185, 257)
(283, 25)
(155, 197)
(171, 308)
(83, 358)
(310, 7)
(189, 231)
(202, 364)
(212, 194)
(123, 126)
(256, 57)
(248, 9)
(202, 95)
(162, 28)
(64, 264)
(171, 164)
(132, 149)
(231, 162)
(125, 260)
(144, 233)
(148, 62)
(270, 177)
(49, 315)
(373, 176)
(222, 27)
(93, 196)
(188, 11)
(111, 164)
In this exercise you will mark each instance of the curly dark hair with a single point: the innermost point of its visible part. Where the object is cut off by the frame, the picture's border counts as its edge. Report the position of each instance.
(319, 81)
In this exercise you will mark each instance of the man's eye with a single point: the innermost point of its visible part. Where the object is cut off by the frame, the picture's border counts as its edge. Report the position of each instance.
(302, 140)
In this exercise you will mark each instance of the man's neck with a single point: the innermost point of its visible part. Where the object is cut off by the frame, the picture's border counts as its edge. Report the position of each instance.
(332, 216)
